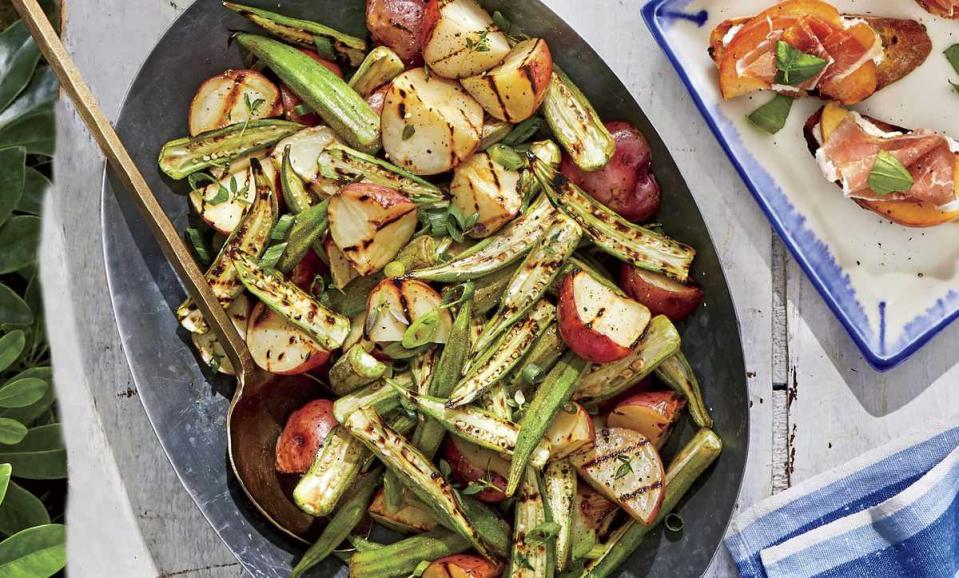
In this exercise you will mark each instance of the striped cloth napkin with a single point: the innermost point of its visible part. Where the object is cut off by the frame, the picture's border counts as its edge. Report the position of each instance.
(893, 512)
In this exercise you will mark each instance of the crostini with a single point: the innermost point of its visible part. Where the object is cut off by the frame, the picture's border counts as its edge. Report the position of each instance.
(803, 47)
(908, 177)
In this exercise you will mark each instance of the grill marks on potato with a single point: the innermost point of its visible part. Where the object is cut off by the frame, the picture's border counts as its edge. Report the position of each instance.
(222, 100)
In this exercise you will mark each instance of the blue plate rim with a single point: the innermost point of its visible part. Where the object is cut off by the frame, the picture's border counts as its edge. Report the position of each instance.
(650, 12)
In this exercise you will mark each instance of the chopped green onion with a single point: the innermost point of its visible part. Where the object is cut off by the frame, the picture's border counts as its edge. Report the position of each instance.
(200, 247)
(523, 131)
(282, 228)
(421, 331)
(673, 522)
(420, 568)
(301, 110)
(795, 66)
(889, 175)
(771, 117)
(394, 269)
(272, 256)
(533, 374)
(506, 157)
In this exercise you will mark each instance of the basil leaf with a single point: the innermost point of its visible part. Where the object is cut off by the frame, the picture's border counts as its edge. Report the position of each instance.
(771, 117)
(795, 66)
(888, 175)
(506, 157)
(952, 55)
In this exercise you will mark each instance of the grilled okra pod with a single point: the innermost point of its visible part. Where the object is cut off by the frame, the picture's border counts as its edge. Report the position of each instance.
(417, 472)
(340, 106)
(544, 354)
(496, 252)
(249, 237)
(531, 558)
(400, 559)
(559, 480)
(607, 380)
(535, 273)
(327, 328)
(576, 124)
(377, 395)
(344, 165)
(295, 195)
(304, 32)
(490, 366)
(182, 157)
(477, 425)
(686, 467)
(347, 516)
(354, 369)
(380, 66)
(549, 400)
(676, 372)
(612, 233)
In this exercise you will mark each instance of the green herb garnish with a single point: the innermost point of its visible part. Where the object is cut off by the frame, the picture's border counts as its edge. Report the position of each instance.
(625, 467)
(480, 43)
(502, 22)
(795, 66)
(888, 175)
(771, 117)
(408, 132)
(506, 157)
(543, 532)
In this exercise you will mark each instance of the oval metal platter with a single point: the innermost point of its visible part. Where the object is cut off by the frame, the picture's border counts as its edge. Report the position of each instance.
(187, 405)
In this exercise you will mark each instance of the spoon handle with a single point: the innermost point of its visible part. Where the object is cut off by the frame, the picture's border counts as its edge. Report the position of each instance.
(163, 230)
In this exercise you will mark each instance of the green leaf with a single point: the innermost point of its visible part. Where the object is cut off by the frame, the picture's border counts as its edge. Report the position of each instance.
(11, 431)
(408, 132)
(35, 185)
(795, 66)
(36, 132)
(19, 238)
(888, 175)
(952, 55)
(771, 117)
(5, 470)
(18, 59)
(36, 552)
(22, 392)
(41, 92)
(28, 415)
(21, 510)
(40, 456)
(200, 247)
(11, 176)
(11, 347)
(13, 309)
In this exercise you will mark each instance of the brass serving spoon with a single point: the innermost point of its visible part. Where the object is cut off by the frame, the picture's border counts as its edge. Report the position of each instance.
(261, 401)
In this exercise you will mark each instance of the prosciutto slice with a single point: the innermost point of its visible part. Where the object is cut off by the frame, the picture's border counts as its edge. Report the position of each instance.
(927, 156)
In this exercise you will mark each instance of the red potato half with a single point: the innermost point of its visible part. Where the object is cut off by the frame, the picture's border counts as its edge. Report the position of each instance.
(465, 41)
(394, 305)
(222, 100)
(302, 436)
(209, 348)
(483, 186)
(340, 267)
(280, 347)
(571, 431)
(592, 512)
(429, 124)
(462, 566)
(596, 322)
(306, 147)
(472, 463)
(290, 102)
(662, 295)
(625, 184)
(224, 215)
(651, 413)
(625, 467)
(402, 25)
(370, 224)
(514, 90)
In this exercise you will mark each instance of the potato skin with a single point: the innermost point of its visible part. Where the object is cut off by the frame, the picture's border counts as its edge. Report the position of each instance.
(660, 411)
(466, 566)
(402, 25)
(305, 430)
(661, 295)
(377, 98)
(582, 340)
(466, 471)
(626, 183)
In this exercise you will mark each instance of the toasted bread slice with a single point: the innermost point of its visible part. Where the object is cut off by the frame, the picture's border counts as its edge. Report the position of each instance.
(907, 213)
(905, 42)
(935, 8)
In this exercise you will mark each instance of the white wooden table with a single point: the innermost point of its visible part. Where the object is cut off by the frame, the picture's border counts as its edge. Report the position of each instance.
(815, 402)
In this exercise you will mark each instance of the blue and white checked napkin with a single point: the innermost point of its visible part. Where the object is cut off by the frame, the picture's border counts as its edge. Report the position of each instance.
(893, 512)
